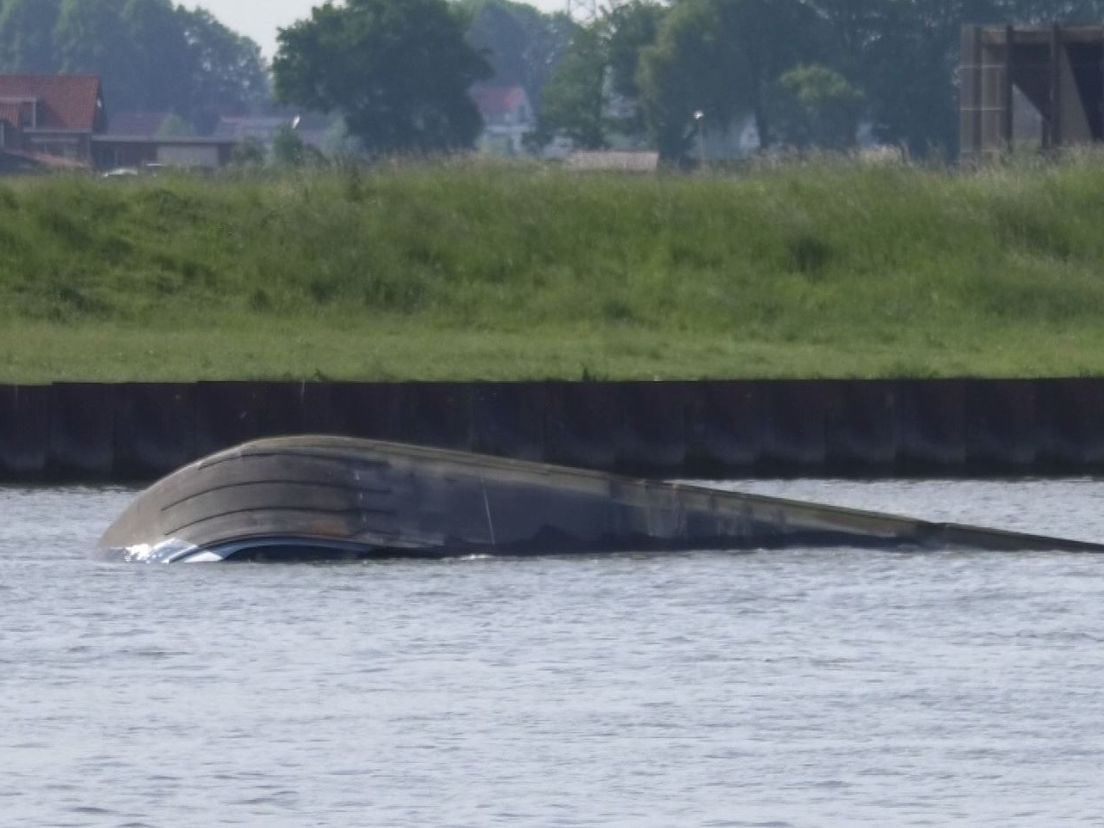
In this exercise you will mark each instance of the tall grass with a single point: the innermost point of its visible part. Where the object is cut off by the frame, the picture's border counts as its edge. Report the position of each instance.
(469, 270)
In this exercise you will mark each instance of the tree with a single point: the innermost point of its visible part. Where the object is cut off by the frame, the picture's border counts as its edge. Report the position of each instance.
(398, 72)
(91, 39)
(249, 154)
(523, 46)
(339, 144)
(150, 54)
(288, 149)
(904, 55)
(681, 74)
(574, 99)
(629, 30)
(1056, 11)
(721, 57)
(593, 95)
(816, 106)
(228, 74)
(27, 36)
(496, 30)
(158, 56)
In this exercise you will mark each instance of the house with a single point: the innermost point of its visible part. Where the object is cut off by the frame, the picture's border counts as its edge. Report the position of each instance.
(138, 151)
(51, 119)
(158, 139)
(507, 118)
(260, 128)
(59, 121)
(313, 130)
(139, 123)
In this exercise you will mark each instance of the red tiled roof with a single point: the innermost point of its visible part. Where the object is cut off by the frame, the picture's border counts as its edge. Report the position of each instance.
(64, 101)
(137, 123)
(241, 126)
(497, 100)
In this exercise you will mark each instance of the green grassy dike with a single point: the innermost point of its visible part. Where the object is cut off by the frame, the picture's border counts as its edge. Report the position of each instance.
(471, 271)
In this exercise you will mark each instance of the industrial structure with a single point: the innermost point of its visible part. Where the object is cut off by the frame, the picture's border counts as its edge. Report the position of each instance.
(1032, 88)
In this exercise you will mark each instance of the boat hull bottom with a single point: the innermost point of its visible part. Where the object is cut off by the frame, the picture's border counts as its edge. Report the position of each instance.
(317, 498)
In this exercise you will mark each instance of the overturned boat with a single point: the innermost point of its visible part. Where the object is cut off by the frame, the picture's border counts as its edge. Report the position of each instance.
(306, 498)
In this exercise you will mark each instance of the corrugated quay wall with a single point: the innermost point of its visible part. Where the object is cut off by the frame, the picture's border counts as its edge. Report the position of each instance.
(135, 432)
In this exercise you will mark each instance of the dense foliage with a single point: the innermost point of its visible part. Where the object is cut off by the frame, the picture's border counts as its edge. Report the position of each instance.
(522, 45)
(805, 71)
(398, 72)
(152, 55)
(730, 58)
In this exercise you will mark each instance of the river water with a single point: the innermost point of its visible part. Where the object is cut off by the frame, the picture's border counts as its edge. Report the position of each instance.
(803, 687)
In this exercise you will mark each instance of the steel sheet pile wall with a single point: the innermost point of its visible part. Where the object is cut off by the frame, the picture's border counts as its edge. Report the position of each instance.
(141, 431)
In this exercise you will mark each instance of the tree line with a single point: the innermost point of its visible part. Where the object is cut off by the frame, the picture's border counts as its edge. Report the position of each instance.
(646, 73)
(150, 54)
(807, 72)
(650, 73)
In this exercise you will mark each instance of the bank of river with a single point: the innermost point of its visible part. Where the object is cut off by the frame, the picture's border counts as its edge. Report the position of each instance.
(140, 431)
(522, 272)
(802, 687)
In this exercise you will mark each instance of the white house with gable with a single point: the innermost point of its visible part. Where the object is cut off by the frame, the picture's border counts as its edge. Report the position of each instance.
(507, 118)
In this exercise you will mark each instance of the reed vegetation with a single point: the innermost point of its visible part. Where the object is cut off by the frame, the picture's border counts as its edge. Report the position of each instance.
(476, 271)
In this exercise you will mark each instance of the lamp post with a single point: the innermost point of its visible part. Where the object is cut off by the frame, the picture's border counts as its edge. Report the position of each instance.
(699, 120)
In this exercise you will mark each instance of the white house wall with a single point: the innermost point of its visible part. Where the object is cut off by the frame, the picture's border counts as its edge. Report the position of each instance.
(188, 156)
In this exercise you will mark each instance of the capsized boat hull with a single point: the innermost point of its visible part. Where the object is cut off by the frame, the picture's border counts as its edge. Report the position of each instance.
(296, 498)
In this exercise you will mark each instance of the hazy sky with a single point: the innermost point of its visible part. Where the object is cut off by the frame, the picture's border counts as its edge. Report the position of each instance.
(259, 19)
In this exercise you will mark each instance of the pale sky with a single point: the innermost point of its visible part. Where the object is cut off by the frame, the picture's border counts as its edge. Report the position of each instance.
(259, 19)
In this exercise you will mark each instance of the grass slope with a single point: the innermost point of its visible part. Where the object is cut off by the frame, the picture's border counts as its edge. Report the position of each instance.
(475, 271)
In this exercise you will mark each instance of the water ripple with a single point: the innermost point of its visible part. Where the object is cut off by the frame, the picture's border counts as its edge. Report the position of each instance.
(789, 688)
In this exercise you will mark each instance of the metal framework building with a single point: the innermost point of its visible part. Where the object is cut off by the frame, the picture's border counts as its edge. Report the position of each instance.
(1030, 88)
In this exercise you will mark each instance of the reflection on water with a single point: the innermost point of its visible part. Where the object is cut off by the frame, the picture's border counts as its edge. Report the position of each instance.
(803, 687)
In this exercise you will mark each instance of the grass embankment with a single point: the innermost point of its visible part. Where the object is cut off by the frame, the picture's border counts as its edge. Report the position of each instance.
(474, 272)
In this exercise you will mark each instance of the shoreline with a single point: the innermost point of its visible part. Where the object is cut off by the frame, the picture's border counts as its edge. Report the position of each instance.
(137, 432)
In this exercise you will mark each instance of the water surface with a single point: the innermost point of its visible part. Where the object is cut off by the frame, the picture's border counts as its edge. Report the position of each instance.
(803, 687)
